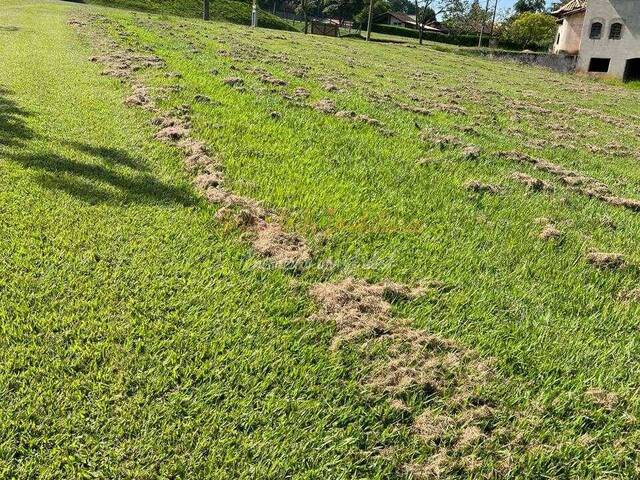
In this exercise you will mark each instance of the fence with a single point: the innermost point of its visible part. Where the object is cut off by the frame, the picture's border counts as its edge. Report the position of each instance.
(344, 27)
(328, 29)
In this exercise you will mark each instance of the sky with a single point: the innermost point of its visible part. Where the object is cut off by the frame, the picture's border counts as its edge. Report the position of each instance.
(505, 4)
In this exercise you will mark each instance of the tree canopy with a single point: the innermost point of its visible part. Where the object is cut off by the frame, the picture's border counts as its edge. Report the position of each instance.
(531, 28)
(522, 6)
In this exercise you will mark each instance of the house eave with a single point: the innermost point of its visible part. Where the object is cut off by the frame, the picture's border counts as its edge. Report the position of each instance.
(562, 14)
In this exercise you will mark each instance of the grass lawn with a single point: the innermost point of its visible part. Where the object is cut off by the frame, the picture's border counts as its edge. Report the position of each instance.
(142, 337)
(235, 11)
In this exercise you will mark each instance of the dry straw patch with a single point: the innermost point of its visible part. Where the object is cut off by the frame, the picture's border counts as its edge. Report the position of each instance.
(578, 182)
(140, 97)
(629, 296)
(532, 183)
(471, 152)
(328, 106)
(476, 186)
(606, 260)
(550, 232)
(174, 127)
(603, 399)
(447, 376)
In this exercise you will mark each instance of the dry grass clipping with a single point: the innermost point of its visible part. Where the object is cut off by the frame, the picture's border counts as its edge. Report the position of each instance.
(583, 184)
(628, 296)
(606, 260)
(479, 187)
(471, 152)
(413, 362)
(603, 399)
(550, 232)
(532, 183)
(325, 106)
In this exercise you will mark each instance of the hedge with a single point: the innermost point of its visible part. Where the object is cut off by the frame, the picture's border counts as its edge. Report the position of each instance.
(463, 40)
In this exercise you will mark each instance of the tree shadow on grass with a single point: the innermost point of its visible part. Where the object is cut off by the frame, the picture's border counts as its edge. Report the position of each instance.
(13, 127)
(110, 155)
(93, 183)
(115, 177)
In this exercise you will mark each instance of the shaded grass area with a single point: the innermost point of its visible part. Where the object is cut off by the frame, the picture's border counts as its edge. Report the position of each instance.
(140, 338)
(221, 10)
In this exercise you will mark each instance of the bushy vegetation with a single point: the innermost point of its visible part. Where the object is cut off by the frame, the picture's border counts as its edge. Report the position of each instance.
(530, 29)
(463, 40)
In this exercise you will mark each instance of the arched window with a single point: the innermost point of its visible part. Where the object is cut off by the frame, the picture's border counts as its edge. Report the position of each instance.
(596, 31)
(616, 31)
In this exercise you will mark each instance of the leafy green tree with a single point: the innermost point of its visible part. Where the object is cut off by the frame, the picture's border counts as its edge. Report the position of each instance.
(428, 10)
(306, 7)
(428, 14)
(343, 8)
(406, 6)
(476, 18)
(456, 16)
(379, 7)
(531, 28)
(522, 6)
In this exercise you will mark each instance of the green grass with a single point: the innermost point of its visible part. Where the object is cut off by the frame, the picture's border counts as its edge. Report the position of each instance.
(221, 10)
(141, 338)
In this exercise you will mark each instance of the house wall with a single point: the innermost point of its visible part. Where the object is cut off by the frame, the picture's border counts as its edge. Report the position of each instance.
(569, 34)
(608, 12)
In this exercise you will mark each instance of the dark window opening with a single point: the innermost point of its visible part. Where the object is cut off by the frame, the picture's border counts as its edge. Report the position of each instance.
(596, 31)
(632, 70)
(558, 38)
(616, 31)
(600, 65)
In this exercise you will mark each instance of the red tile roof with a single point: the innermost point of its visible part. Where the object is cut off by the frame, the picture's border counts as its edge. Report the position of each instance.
(572, 6)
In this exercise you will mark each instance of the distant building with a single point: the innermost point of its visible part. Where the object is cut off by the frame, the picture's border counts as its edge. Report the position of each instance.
(400, 19)
(604, 34)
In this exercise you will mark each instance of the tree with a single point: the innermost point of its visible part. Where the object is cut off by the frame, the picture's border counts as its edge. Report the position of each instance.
(379, 7)
(305, 7)
(531, 28)
(205, 10)
(456, 16)
(476, 19)
(343, 8)
(405, 6)
(522, 6)
(426, 13)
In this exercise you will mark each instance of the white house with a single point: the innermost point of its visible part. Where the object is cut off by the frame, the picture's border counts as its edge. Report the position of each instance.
(401, 19)
(604, 34)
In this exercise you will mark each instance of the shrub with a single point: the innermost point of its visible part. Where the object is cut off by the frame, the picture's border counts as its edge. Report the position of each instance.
(531, 28)
(463, 40)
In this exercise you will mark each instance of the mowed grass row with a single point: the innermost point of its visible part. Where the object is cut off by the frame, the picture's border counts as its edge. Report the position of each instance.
(370, 207)
(140, 338)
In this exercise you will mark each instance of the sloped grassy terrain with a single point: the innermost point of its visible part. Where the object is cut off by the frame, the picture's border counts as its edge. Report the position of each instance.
(140, 338)
(145, 338)
(222, 10)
